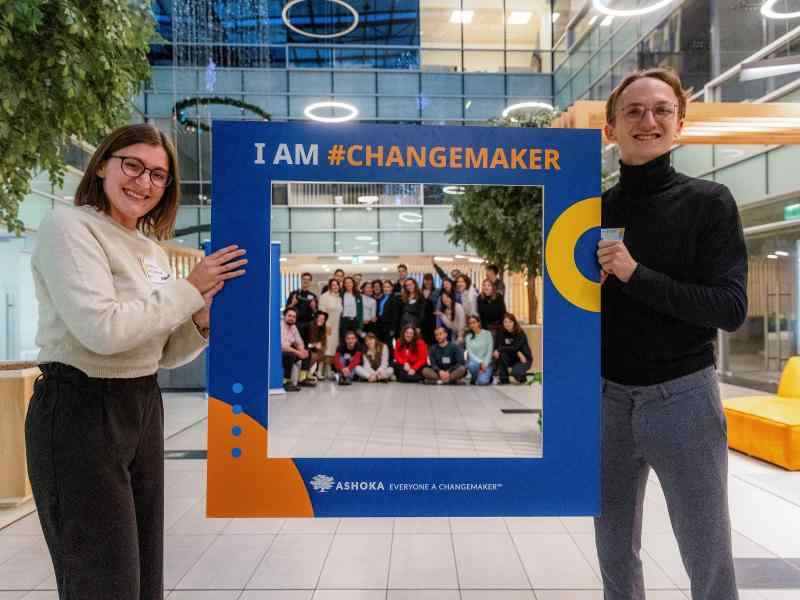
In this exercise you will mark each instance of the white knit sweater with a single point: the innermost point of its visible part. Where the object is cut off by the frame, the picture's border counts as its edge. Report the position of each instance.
(108, 303)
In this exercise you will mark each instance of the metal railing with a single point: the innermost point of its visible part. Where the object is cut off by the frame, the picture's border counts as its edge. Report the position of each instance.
(712, 91)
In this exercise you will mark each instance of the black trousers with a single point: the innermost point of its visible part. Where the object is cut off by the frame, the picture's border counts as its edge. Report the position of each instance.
(96, 463)
(506, 363)
(404, 377)
(288, 359)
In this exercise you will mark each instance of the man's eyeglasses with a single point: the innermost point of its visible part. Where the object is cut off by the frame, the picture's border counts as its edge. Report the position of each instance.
(663, 111)
(133, 167)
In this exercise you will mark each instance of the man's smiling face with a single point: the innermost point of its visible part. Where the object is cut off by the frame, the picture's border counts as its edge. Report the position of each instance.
(657, 127)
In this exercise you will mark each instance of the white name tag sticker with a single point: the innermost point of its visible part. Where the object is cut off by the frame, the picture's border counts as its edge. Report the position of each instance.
(445, 360)
(154, 273)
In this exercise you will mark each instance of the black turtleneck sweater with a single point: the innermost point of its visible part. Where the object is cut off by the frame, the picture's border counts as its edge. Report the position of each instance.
(691, 279)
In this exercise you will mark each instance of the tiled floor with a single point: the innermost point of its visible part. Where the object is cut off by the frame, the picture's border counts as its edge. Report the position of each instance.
(420, 559)
(394, 420)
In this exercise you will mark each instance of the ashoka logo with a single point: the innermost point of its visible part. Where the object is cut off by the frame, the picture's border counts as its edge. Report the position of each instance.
(322, 483)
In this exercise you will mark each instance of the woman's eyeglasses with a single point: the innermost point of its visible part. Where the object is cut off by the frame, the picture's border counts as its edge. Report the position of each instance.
(133, 167)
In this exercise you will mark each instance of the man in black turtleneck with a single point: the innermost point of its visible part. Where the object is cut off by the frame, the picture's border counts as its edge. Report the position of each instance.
(677, 275)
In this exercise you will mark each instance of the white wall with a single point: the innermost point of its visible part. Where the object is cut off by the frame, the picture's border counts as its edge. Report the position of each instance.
(18, 306)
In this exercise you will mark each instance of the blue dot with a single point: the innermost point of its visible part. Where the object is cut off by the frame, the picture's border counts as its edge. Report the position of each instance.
(585, 253)
(237, 408)
(236, 452)
(237, 388)
(237, 431)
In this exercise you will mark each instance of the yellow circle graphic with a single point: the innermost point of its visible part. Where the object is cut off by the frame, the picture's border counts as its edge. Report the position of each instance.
(560, 254)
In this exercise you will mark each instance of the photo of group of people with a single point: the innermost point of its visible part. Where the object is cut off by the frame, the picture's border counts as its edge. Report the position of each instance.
(453, 367)
(382, 330)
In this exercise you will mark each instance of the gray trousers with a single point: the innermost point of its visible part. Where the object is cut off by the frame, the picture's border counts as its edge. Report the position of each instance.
(678, 428)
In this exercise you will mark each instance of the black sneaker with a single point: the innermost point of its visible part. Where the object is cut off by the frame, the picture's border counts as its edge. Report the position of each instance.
(308, 383)
(291, 388)
(344, 381)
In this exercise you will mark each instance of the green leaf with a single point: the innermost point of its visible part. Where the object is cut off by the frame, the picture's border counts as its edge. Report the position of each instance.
(67, 68)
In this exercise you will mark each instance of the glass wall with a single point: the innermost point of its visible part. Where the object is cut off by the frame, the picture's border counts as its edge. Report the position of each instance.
(596, 52)
(438, 35)
(408, 61)
(758, 351)
(762, 180)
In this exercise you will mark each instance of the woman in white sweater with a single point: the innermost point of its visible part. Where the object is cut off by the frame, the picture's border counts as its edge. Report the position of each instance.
(331, 303)
(110, 314)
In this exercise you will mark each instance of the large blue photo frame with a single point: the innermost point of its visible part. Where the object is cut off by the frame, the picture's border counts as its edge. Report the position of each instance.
(244, 481)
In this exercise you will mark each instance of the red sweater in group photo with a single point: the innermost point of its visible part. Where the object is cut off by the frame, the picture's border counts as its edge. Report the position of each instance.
(415, 357)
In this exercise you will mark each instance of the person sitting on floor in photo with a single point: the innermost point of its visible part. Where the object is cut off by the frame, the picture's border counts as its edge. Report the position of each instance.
(451, 316)
(374, 361)
(479, 352)
(446, 360)
(316, 344)
(293, 351)
(512, 351)
(410, 355)
(348, 356)
(491, 306)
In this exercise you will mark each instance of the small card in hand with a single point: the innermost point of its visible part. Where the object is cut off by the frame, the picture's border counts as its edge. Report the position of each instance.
(612, 234)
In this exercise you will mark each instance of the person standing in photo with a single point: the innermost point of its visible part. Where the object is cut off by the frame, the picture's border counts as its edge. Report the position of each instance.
(451, 316)
(469, 295)
(412, 305)
(111, 314)
(352, 308)
(306, 304)
(677, 276)
(317, 343)
(388, 314)
(491, 307)
(402, 274)
(370, 309)
(493, 275)
(331, 304)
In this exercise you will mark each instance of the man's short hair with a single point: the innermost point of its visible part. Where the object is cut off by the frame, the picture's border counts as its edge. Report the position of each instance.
(289, 309)
(494, 269)
(668, 76)
(402, 266)
(306, 273)
(339, 271)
